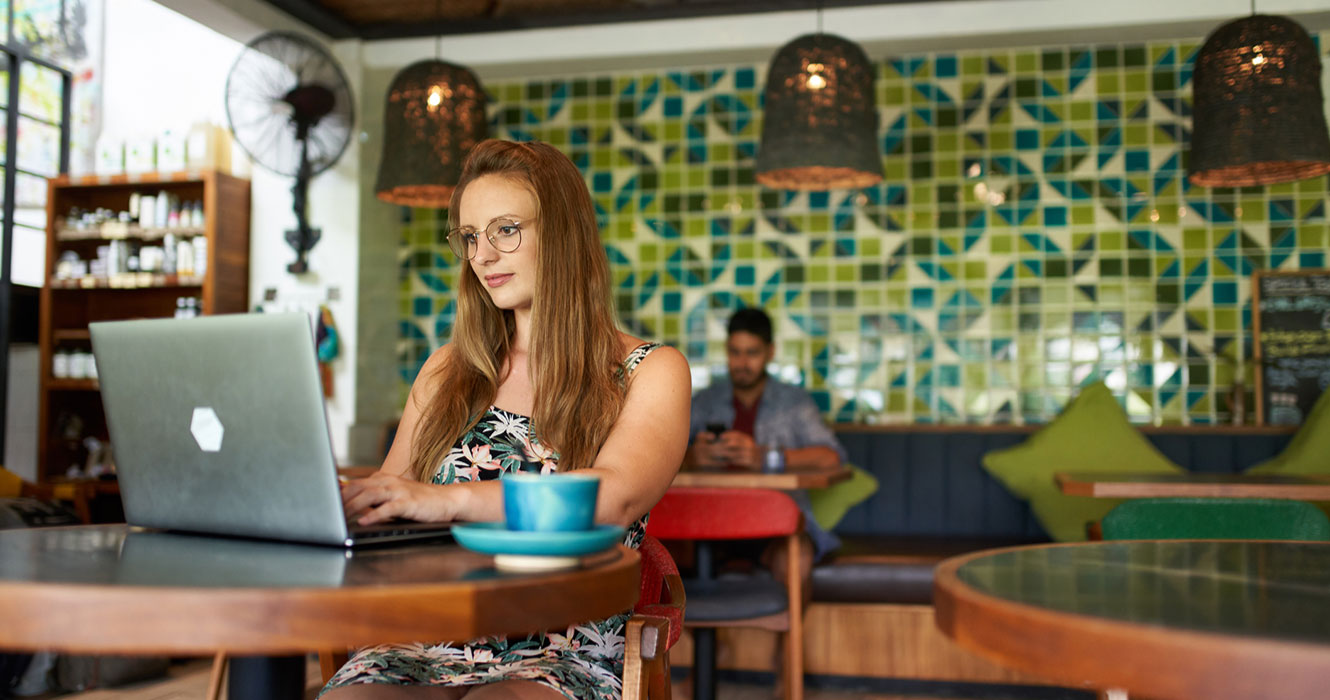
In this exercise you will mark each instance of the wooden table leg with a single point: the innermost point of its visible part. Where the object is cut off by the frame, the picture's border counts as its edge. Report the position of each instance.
(218, 673)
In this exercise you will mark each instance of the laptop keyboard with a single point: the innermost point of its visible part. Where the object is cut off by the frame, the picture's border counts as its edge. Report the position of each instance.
(396, 528)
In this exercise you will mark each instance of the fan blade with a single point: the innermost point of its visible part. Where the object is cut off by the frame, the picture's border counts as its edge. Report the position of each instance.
(284, 85)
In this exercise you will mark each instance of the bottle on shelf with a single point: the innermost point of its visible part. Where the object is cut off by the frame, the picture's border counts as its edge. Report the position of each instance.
(78, 364)
(163, 208)
(184, 257)
(186, 307)
(148, 211)
(200, 244)
(60, 364)
(67, 266)
(168, 254)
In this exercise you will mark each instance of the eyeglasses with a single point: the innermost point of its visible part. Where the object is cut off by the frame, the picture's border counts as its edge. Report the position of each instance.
(504, 234)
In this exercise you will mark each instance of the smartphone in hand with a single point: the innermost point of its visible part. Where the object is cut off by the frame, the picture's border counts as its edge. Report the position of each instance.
(716, 428)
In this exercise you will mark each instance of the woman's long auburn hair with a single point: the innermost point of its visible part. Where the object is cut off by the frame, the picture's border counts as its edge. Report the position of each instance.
(575, 354)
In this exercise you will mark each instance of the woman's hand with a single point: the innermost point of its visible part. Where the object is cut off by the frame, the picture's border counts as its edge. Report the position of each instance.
(381, 497)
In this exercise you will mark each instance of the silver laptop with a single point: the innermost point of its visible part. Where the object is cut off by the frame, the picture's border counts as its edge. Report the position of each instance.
(218, 426)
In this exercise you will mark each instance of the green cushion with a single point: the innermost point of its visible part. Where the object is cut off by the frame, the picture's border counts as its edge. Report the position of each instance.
(832, 503)
(1092, 434)
(1216, 519)
(1309, 450)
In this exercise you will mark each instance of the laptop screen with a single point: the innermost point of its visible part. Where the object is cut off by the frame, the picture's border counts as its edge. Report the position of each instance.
(218, 425)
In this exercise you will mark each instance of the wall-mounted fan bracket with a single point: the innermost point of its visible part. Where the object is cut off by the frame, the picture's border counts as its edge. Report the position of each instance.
(302, 240)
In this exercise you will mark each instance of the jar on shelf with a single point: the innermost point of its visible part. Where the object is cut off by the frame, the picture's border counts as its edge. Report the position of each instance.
(78, 364)
(60, 364)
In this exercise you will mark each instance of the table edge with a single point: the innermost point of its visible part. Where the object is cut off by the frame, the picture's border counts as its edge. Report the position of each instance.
(1156, 653)
(81, 603)
(1070, 484)
(786, 481)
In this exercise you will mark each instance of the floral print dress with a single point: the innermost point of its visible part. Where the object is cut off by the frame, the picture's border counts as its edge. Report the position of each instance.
(584, 661)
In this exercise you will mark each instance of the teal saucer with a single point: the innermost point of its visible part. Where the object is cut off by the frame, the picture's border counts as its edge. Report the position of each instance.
(497, 539)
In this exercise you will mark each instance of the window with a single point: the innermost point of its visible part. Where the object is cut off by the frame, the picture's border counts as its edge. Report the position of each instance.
(40, 37)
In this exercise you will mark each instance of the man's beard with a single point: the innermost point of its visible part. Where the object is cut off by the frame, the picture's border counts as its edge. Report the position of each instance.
(745, 385)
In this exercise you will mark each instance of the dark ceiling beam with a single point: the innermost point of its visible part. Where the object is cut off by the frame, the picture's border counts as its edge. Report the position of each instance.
(650, 10)
(315, 15)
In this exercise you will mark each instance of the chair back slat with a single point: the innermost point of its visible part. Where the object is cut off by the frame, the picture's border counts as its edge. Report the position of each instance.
(656, 564)
(661, 592)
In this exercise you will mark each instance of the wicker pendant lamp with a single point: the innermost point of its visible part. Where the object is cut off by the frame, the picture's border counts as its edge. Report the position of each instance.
(820, 125)
(434, 115)
(1259, 116)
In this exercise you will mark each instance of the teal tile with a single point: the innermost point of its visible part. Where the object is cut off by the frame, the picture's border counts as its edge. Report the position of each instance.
(1029, 193)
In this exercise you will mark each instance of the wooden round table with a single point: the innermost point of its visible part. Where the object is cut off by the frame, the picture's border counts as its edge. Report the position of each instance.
(785, 480)
(115, 589)
(1162, 619)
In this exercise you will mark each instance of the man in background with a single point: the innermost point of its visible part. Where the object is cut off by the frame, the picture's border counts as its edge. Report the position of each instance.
(736, 422)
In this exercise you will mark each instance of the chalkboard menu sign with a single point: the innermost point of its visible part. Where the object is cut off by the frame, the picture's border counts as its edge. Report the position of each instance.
(1291, 332)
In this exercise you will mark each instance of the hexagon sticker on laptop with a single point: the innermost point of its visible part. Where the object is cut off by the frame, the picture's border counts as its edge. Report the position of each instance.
(207, 429)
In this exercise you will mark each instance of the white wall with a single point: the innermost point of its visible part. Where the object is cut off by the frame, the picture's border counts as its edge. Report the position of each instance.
(20, 454)
(166, 71)
(162, 70)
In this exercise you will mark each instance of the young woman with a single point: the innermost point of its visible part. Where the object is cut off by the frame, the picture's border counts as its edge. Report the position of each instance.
(537, 372)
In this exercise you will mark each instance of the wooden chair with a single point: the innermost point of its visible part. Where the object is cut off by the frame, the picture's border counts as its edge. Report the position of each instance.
(703, 515)
(215, 678)
(54, 498)
(1216, 518)
(655, 625)
(11, 484)
(651, 632)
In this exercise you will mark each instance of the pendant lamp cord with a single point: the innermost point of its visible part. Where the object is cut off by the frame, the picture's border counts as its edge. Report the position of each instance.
(438, 39)
(1253, 8)
(819, 15)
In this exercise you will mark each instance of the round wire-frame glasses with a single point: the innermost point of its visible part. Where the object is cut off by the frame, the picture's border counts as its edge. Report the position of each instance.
(504, 234)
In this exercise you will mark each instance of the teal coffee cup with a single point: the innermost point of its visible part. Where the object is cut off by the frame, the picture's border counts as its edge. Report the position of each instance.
(546, 502)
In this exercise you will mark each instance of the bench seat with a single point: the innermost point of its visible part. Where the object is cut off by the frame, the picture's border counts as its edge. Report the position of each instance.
(935, 500)
(892, 569)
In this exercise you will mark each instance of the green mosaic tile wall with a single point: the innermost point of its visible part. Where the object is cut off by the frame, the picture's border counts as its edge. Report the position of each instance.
(1034, 233)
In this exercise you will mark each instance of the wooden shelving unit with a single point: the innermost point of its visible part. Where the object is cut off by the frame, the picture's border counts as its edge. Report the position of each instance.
(71, 408)
(60, 384)
(132, 280)
(109, 232)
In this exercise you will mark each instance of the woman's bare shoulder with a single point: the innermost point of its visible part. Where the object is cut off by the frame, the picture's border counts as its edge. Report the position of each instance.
(427, 379)
(438, 357)
(629, 343)
(664, 357)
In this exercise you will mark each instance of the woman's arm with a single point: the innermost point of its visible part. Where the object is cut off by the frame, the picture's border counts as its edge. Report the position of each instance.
(644, 450)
